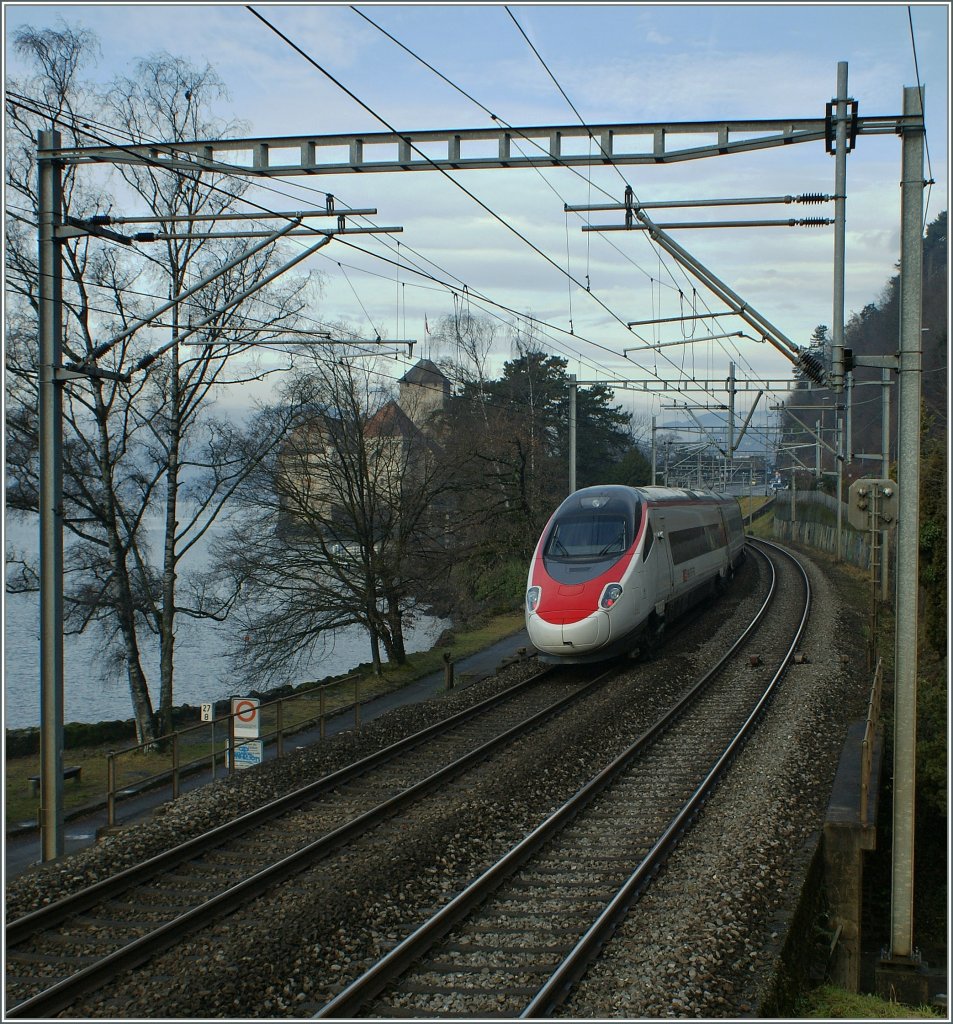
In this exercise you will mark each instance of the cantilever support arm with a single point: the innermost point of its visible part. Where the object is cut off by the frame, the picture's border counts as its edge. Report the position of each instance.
(234, 301)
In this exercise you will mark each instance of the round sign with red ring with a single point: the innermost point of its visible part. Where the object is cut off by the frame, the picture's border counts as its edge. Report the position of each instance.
(246, 710)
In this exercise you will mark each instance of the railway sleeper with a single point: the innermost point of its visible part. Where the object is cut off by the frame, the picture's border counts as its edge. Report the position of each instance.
(465, 948)
(23, 986)
(422, 988)
(415, 1012)
(455, 967)
(501, 928)
(64, 959)
(596, 886)
(532, 956)
(111, 924)
(154, 913)
(545, 901)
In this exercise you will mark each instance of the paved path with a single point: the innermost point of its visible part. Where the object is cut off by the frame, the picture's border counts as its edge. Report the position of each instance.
(22, 848)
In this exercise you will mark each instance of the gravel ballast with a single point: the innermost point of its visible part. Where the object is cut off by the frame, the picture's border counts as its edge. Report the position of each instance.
(699, 944)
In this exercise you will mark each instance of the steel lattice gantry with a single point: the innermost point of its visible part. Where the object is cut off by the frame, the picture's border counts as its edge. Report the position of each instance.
(481, 148)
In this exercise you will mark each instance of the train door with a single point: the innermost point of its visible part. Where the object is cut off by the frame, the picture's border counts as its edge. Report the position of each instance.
(665, 567)
(726, 567)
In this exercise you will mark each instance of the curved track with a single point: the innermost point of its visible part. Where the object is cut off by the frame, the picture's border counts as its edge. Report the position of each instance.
(78, 943)
(517, 939)
(59, 953)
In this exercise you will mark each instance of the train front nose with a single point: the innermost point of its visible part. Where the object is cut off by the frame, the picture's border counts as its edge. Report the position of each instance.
(579, 636)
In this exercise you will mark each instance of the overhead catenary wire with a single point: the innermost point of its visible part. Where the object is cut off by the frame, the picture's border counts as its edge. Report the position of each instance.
(501, 220)
(225, 168)
(550, 160)
(926, 141)
(85, 129)
(245, 199)
(605, 155)
(546, 158)
(629, 190)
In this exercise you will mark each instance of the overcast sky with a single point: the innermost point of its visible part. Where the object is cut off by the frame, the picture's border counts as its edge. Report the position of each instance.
(616, 63)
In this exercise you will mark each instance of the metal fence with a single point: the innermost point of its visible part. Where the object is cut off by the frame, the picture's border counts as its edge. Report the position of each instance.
(206, 745)
(810, 527)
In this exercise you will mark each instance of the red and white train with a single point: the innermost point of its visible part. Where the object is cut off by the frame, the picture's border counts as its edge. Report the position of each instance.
(615, 563)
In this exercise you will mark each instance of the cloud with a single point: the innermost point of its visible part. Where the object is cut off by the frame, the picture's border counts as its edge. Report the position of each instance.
(657, 39)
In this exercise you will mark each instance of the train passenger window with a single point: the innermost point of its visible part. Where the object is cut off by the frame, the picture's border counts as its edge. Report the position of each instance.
(691, 542)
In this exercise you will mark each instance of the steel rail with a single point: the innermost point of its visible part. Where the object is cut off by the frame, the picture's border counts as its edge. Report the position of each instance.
(62, 994)
(54, 913)
(557, 988)
(370, 984)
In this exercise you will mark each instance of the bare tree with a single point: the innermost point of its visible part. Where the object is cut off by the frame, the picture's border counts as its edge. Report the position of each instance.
(470, 338)
(133, 449)
(345, 525)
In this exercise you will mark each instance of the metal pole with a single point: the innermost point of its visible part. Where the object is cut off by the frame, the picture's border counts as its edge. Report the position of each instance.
(730, 447)
(49, 215)
(572, 432)
(840, 226)
(653, 451)
(817, 449)
(908, 519)
(231, 742)
(885, 473)
(731, 409)
(840, 488)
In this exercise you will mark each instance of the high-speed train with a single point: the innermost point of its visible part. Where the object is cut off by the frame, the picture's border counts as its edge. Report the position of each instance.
(615, 563)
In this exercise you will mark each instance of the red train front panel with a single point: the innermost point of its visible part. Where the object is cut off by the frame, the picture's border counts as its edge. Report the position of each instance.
(581, 595)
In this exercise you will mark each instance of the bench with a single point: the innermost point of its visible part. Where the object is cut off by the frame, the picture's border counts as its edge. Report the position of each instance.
(72, 772)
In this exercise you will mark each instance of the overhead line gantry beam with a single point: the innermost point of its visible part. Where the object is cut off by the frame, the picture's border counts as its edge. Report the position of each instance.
(467, 149)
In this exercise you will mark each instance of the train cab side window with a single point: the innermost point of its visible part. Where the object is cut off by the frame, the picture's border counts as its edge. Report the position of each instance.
(649, 538)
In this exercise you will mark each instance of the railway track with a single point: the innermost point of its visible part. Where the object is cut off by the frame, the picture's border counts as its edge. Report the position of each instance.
(521, 935)
(72, 946)
(51, 969)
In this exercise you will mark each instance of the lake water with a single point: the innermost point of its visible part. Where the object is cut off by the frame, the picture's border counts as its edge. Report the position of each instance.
(202, 672)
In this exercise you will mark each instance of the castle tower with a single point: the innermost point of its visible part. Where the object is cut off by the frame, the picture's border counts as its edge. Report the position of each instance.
(423, 391)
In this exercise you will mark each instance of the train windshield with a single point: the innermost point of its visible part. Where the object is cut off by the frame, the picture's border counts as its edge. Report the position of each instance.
(591, 531)
(589, 536)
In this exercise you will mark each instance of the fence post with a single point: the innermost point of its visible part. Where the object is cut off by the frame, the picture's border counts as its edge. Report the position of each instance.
(175, 766)
(322, 707)
(231, 743)
(357, 703)
(280, 742)
(111, 788)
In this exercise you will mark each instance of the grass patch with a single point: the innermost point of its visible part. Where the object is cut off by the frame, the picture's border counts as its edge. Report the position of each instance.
(196, 743)
(830, 1003)
(463, 644)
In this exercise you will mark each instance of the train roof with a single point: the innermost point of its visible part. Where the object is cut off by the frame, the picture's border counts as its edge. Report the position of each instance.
(669, 494)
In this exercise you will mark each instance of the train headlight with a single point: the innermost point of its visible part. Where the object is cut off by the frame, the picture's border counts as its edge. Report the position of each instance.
(610, 595)
(532, 599)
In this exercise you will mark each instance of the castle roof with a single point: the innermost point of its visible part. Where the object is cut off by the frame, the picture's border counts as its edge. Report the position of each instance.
(390, 421)
(424, 372)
